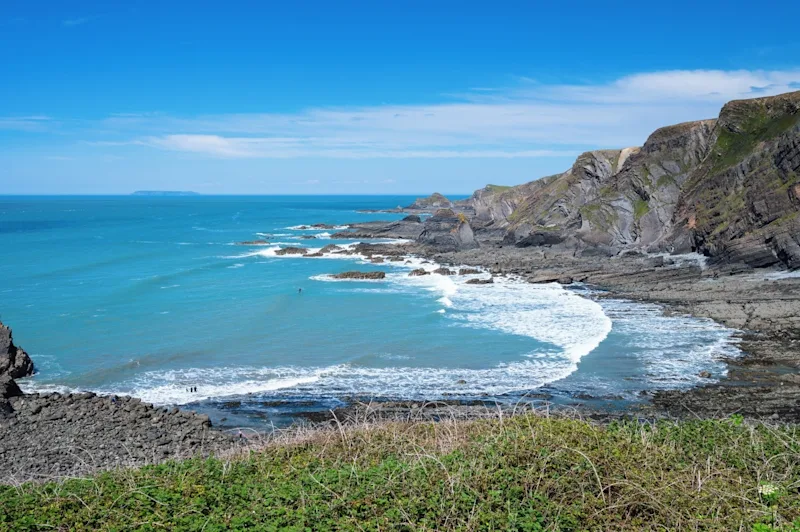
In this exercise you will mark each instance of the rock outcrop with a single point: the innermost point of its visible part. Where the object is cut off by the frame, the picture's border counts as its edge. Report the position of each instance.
(434, 201)
(291, 251)
(355, 275)
(14, 361)
(409, 228)
(448, 231)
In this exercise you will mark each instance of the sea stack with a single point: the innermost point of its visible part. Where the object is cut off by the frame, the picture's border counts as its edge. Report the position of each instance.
(14, 361)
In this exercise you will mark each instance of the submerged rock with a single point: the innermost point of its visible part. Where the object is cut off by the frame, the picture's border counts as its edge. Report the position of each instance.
(490, 280)
(253, 243)
(14, 361)
(444, 271)
(330, 248)
(359, 275)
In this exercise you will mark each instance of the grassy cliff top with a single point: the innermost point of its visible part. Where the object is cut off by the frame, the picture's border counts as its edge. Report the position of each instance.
(521, 473)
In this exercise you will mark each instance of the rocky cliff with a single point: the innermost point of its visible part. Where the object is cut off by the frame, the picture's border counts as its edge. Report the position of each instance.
(728, 188)
(14, 361)
(741, 203)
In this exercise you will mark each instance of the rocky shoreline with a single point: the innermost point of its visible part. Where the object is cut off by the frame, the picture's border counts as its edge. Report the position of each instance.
(52, 435)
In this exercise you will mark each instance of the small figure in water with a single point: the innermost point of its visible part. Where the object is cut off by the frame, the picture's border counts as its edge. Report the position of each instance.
(300, 291)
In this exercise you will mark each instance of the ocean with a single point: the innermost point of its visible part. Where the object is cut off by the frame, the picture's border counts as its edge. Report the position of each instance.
(152, 296)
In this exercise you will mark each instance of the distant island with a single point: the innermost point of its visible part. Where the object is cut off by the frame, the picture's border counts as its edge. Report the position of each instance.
(164, 193)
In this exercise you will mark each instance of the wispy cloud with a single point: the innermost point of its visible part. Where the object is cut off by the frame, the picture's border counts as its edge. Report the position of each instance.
(76, 21)
(529, 119)
(34, 123)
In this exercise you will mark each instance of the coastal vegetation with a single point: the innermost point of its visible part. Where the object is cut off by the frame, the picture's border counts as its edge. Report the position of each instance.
(526, 472)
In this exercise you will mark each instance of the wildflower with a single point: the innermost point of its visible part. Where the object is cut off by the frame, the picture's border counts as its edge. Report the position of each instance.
(770, 493)
(767, 490)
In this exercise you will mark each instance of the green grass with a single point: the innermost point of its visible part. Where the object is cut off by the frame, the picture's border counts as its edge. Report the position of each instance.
(640, 208)
(526, 473)
(497, 188)
(758, 126)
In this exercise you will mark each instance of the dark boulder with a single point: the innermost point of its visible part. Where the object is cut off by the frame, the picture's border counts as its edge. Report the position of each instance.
(444, 271)
(8, 388)
(468, 271)
(412, 218)
(418, 272)
(490, 280)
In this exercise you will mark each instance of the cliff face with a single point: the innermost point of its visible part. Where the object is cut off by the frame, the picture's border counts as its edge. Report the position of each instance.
(742, 203)
(728, 188)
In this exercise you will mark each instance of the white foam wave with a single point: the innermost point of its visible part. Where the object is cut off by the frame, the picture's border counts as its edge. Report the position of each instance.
(776, 276)
(672, 350)
(172, 387)
(328, 279)
(310, 228)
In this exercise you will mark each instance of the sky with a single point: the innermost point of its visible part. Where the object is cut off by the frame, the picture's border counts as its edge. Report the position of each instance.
(371, 97)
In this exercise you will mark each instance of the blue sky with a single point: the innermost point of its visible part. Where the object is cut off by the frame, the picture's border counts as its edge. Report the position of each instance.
(361, 97)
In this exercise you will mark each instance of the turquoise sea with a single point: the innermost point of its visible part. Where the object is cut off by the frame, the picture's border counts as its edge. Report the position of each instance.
(150, 296)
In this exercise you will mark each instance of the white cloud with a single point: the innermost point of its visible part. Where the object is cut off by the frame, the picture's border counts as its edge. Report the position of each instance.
(530, 119)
